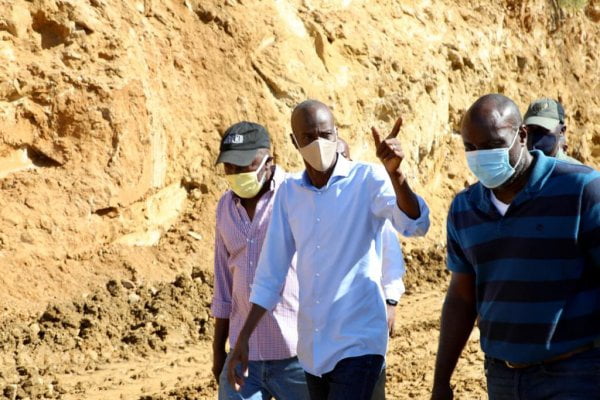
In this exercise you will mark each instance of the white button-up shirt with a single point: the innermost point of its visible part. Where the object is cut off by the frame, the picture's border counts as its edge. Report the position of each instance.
(393, 264)
(337, 233)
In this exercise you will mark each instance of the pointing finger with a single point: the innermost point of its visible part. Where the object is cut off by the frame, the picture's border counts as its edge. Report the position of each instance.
(396, 128)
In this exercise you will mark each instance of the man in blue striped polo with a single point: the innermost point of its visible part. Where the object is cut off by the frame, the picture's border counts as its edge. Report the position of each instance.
(524, 252)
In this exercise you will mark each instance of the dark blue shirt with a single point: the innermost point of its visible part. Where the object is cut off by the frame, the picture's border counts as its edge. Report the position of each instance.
(537, 268)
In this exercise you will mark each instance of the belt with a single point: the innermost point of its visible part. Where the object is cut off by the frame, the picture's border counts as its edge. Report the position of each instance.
(595, 344)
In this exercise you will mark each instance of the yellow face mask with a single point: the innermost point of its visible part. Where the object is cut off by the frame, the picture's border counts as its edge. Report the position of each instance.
(246, 184)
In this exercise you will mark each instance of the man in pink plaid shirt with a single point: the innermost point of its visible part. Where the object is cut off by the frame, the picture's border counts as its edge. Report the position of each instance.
(243, 215)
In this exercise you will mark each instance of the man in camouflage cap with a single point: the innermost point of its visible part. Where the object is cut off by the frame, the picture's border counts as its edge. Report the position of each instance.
(545, 121)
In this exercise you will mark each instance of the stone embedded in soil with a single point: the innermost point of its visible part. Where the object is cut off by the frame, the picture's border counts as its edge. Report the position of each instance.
(127, 284)
(182, 281)
(133, 298)
(10, 392)
(199, 273)
(113, 288)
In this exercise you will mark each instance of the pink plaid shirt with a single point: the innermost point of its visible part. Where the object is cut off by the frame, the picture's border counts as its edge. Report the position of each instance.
(238, 242)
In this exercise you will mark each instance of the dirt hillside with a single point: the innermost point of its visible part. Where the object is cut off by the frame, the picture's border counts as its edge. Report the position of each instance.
(111, 113)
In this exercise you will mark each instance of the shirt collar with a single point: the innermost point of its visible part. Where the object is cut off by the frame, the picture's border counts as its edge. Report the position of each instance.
(542, 169)
(278, 177)
(342, 169)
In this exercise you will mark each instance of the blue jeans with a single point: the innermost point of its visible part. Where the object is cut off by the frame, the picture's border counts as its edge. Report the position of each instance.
(279, 379)
(352, 378)
(574, 378)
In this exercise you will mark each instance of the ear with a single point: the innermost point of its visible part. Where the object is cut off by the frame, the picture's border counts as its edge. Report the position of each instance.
(293, 139)
(523, 133)
(268, 170)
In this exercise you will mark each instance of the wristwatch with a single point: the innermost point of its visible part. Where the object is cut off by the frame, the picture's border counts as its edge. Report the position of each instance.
(391, 302)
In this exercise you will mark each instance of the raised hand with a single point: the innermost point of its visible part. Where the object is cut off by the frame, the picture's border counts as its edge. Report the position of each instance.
(389, 150)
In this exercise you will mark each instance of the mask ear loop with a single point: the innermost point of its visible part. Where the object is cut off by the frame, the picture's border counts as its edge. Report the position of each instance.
(262, 164)
(520, 153)
(295, 140)
(514, 139)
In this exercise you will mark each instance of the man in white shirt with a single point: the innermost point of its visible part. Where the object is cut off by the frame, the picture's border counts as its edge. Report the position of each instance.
(333, 215)
(391, 281)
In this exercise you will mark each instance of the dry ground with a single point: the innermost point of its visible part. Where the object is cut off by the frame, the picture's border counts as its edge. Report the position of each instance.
(180, 369)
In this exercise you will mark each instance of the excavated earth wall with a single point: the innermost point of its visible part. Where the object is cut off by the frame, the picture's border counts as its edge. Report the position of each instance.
(111, 113)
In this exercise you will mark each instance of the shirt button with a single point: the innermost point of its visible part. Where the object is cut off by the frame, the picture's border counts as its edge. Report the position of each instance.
(318, 302)
(251, 263)
(316, 329)
(318, 247)
(317, 274)
(318, 219)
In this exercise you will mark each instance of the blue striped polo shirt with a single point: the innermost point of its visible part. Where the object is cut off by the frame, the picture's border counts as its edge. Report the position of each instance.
(537, 268)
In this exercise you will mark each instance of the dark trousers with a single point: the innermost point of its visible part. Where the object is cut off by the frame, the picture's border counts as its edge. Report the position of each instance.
(574, 378)
(379, 391)
(352, 378)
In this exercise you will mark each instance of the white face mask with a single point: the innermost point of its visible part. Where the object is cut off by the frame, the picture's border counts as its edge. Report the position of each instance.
(319, 154)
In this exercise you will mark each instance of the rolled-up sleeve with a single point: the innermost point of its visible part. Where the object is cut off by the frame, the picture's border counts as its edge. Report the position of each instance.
(392, 264)
(221, 302)
(275, 257)
(385, 205)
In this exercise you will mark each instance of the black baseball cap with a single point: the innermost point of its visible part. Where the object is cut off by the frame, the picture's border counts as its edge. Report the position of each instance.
(241, 141)
(547, 113)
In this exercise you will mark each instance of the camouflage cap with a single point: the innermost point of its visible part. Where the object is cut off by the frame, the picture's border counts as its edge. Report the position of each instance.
(547, 113)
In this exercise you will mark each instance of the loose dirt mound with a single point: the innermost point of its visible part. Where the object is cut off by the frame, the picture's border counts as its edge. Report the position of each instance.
(111, 111)
(124, 320)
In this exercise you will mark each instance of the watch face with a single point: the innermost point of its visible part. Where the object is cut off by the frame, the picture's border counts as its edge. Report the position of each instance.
(391, 302)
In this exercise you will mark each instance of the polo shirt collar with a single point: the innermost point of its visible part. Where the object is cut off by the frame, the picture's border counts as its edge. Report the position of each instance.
(542, 169)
